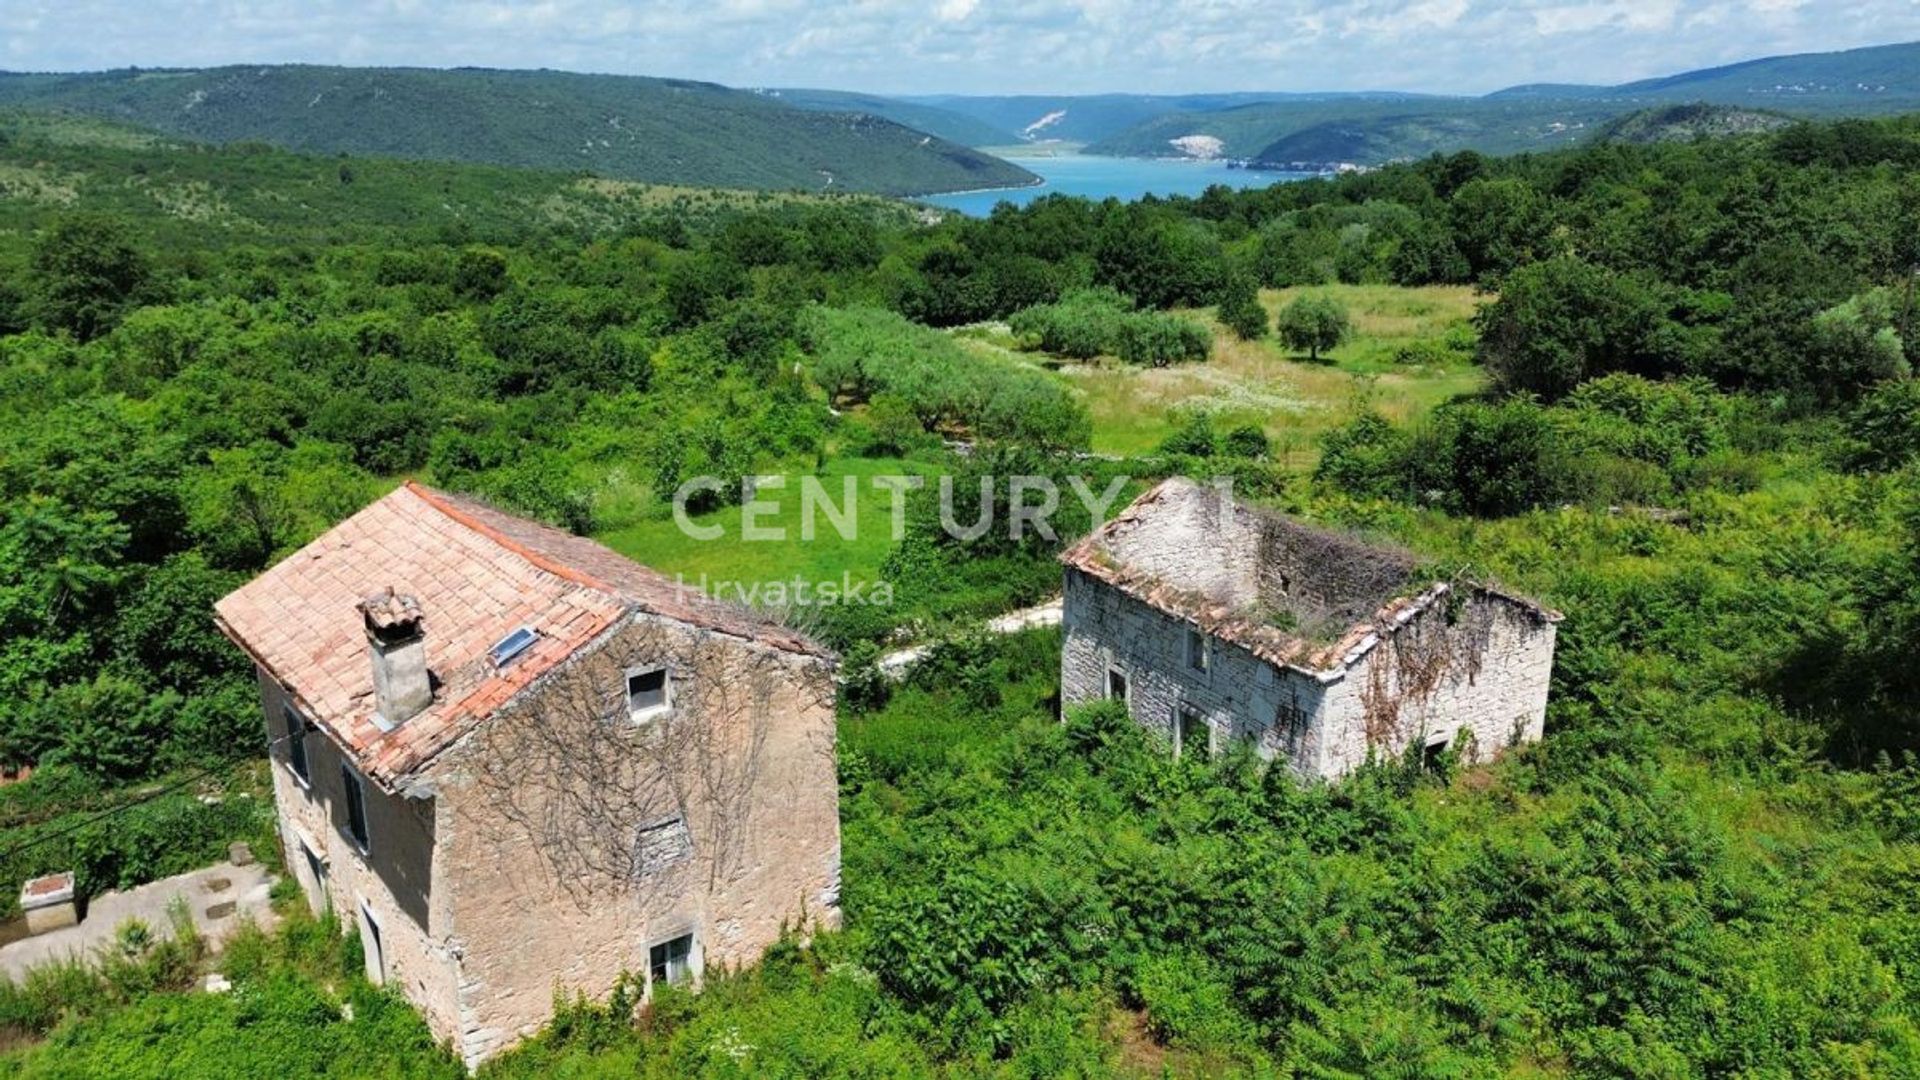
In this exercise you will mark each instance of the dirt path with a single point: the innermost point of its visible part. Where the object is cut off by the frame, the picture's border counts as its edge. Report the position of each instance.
(895, 665)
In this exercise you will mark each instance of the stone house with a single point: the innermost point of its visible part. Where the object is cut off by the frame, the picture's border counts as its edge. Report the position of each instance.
(520, 763)
(1219, 623)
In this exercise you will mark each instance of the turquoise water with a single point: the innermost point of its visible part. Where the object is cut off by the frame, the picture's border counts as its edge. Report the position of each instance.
(1099, 177)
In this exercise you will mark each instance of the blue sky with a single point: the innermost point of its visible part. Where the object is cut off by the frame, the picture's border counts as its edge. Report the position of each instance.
(971, 46)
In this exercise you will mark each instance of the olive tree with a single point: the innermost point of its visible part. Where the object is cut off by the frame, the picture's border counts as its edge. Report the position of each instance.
(1314, 323)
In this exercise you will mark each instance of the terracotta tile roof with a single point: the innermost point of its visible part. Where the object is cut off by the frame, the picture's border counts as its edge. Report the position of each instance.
(50, 885)
(478, 575)
(1322, 659)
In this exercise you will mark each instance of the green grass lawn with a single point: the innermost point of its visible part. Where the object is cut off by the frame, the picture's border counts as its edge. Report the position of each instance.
(663, 545)
(1293, 399)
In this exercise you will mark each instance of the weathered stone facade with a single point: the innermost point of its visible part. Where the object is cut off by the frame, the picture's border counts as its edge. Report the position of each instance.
(553, 824)
(1220, 621)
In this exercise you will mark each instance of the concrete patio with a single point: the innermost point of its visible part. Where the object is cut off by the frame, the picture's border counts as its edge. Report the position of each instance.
(220, 897)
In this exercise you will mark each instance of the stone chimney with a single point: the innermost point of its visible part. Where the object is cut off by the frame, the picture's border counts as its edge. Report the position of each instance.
(397, 641)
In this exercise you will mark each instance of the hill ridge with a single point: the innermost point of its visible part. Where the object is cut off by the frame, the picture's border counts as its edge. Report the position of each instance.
(632, 127)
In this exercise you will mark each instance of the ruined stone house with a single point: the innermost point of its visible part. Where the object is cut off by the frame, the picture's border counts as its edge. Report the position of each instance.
(1219, 623)
(519, 763)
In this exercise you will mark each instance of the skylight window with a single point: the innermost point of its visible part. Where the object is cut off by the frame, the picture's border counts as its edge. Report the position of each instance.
(510, 647)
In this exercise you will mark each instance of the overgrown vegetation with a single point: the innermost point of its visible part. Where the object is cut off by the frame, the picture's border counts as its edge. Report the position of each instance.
(1087, 323)
(1698, 441)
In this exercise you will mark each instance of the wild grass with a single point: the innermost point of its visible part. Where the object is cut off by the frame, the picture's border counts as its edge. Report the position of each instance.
(1292, 399)
(828, 556)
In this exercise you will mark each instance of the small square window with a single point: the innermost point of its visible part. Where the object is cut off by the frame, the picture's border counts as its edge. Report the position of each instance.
(1116, 685)
(296, 736)
(1196, 649)
(671, 962)
(648, 692)
(356, 797)
(660, 845)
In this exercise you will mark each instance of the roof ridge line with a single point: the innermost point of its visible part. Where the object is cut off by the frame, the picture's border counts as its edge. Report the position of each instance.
(551, 566)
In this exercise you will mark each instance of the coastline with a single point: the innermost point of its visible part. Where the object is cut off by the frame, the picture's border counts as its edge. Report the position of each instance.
(1038, 181)
(1101, 176)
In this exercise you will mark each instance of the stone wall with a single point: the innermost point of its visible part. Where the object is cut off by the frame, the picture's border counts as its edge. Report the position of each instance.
(1240, 696)
(1478, 667)
(1195, 540)
(1485, 672)
(392, 878)
(478, 920)
(1325, 579)
(1198, 541)
(762, 816)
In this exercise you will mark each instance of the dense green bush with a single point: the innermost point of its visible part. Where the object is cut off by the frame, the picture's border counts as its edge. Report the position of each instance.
(1095, 322)
(141, 842)
(862, 354)
(1618, 440)
(1882, 432)
(1240, 309)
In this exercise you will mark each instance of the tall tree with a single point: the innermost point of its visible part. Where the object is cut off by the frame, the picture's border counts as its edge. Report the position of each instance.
(1240, 308)
(87, 275)
(1315, 323)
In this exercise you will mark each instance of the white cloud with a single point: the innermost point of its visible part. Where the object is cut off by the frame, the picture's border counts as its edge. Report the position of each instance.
(1638, 15)
(980, 46)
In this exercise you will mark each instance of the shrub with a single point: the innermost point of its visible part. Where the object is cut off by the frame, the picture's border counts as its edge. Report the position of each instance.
(1081, 325)
(1856, 344)
(1365, 458)
(1092, 322)
(1240, 309)
(1882, 432)
(1154, 340)
(1495, 460)
(1424, 354)
(861, 353)
(1189, 1003)
(1246, 441)
(1193, 438)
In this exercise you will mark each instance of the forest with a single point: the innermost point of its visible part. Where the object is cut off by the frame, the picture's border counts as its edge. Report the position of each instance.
(1681, 410)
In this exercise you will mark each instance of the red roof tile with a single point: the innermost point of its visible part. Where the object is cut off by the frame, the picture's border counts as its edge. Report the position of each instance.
(478, 574)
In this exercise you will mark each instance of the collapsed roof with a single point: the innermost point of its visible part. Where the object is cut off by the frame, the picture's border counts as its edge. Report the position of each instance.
(1296, 595)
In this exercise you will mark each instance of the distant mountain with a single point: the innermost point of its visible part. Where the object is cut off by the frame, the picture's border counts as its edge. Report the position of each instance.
(942, 123)
(1884, 78)
(1364, 131)
(1095, 117)
(1550, 90)
(1371, 129)
(198, 195)
(655, 130)
(1879, 79)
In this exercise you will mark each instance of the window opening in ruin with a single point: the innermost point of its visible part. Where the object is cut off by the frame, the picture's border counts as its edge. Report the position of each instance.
(1191, 734)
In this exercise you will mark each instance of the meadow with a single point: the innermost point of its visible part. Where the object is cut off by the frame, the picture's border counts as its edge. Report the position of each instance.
(1404, 359)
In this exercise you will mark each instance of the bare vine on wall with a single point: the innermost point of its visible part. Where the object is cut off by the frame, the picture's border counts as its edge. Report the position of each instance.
(573, 776)
(1447, 642)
